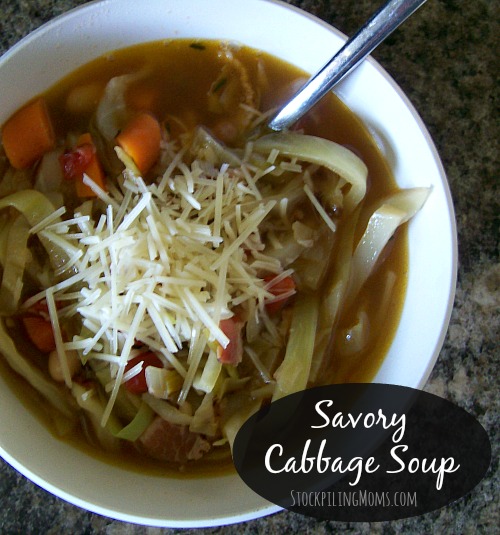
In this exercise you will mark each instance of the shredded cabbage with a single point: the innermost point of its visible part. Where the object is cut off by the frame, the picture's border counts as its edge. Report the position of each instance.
(55, 395)
(233, 424)
(324, 152)
(90, 401)
(392, 212)
(138, 425)
(293, 373)
(204, 419)
(112, 111)
(17, 255)
(36, 208)
(167, 411)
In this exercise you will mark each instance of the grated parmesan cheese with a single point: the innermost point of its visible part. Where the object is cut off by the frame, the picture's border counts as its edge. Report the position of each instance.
(158, 261)
(165, 262)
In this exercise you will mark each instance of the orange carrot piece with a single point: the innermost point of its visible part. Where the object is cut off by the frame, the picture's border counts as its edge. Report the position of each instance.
(28, 134)
(39, 331)
(140, 139)
(93, 171)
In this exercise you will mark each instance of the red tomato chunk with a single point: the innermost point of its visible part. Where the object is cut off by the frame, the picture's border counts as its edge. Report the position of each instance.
(137, 384)
(75, 162)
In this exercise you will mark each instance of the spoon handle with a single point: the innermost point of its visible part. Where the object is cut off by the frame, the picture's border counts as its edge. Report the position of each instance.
(368, 37)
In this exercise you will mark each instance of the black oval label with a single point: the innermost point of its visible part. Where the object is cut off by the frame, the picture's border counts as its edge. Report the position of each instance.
(362, 452)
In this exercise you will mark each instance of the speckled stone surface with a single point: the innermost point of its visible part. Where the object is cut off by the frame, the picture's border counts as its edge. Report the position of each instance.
(445, 59)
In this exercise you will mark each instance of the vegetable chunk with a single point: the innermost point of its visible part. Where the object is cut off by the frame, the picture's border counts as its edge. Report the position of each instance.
(140, 139)
(28, 134)
(83, 160)
(138, 384)
(233, 352)
(39, 331)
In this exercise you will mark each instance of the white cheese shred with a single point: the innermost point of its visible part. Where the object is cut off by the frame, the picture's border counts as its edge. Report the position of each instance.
(61, 351)
(321, 211)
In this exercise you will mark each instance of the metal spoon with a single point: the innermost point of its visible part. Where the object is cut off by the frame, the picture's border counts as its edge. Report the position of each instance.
(368, 37)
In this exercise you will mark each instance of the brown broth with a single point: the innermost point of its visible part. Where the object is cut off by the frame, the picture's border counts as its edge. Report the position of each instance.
(179, 75)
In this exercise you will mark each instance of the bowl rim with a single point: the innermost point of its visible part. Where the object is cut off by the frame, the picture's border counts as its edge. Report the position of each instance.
(419, 382)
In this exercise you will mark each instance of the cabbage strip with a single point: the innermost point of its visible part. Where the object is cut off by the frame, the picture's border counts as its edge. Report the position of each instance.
(112, 111)
(392, 212)
(293, 373)
(138, 425)
(35, 207)
(54, 395)
(31, 203)
(324, 152)
(17, 256)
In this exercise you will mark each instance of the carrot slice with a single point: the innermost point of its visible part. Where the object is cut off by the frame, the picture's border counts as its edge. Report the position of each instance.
(140, 139)
(28, 134)
(93, 170)
(39, 331)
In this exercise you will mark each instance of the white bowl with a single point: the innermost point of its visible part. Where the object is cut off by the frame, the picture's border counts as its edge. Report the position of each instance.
(66, 42)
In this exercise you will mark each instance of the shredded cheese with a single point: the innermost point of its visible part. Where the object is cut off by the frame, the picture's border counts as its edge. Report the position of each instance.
(165, 262)
(158, 261)
(321, 211)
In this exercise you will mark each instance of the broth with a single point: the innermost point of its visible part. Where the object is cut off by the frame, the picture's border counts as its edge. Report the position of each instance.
(177, 76)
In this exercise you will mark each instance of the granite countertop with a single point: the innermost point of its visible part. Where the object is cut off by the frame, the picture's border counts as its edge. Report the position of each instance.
(444, 59)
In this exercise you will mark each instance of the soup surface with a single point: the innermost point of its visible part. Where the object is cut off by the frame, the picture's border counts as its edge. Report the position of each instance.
(169, 266)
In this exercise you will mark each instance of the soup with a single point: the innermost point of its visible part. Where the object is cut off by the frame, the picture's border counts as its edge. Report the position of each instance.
(169, 265)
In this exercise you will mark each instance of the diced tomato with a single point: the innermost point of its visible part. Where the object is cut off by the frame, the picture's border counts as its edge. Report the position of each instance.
(93, 170)
(39, 331)
(40, 308)
(75, 162)
(281, 287)
(83, 160)
(137, 384)
(233, 352)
